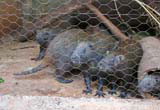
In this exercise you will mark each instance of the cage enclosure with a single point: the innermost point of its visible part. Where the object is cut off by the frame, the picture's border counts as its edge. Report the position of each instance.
(86, 52)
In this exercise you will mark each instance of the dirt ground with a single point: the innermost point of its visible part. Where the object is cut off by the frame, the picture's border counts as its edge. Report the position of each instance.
(16, 57)
(19, 93)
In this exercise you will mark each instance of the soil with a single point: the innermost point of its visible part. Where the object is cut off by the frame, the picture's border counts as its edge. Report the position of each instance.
(16, 57)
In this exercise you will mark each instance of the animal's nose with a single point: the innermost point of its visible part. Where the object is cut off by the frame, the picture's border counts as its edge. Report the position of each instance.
(45, 39)
(74, 60)
(100, 68)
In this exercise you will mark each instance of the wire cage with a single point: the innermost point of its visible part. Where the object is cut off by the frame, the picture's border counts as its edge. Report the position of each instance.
(93, 48)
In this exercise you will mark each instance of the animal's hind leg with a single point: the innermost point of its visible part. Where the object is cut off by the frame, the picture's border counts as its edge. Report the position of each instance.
(99, 92)
(113, 88)
(123, 93)
(127, 85)
(87, 80)
(124, 90)
(60, 78)
(41, 54)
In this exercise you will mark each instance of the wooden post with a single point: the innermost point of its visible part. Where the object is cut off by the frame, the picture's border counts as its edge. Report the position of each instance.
(108, 23)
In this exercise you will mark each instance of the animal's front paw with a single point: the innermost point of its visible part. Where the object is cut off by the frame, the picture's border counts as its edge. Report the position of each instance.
(112, 92)
(100, 94)
(87, 91)
(123, 95)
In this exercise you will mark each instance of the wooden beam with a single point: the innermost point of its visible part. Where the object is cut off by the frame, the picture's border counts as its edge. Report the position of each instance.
(107, 22)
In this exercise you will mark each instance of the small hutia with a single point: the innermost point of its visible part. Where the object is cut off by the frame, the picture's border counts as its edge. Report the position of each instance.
(107, 67)
(43, 38)
(150, 84)
(121, 63)
(60, 49)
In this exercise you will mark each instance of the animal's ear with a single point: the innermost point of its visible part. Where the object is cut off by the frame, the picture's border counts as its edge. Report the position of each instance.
(91, 45)
(107, 53)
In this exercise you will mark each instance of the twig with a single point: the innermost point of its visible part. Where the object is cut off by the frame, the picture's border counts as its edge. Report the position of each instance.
(108, 23)
(144, 6)
(116, 7)
(23, 47)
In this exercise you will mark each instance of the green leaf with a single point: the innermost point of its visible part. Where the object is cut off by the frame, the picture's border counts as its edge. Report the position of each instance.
(1, 80)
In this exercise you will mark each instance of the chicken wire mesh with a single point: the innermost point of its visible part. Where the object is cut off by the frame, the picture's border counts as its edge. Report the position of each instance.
(94, 40)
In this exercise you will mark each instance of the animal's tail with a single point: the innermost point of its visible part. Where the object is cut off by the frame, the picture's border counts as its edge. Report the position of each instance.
(40, 67)
(33, 70)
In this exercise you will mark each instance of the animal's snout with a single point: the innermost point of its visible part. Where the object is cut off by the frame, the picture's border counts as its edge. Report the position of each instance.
(101, 66)
(142, 89)
(75, 60)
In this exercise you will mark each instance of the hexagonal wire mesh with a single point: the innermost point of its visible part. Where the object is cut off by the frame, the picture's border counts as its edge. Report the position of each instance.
(96, 41)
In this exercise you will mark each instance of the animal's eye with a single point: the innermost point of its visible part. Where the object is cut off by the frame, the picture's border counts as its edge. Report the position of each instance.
(46, 33)
(90, 46)
(45, 38)
(101, 64)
